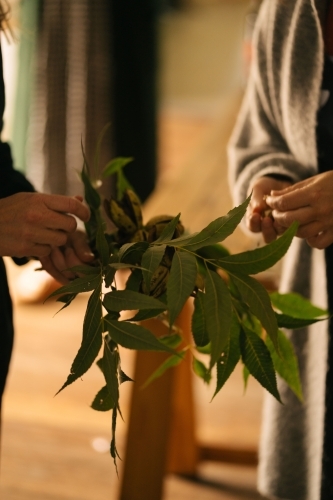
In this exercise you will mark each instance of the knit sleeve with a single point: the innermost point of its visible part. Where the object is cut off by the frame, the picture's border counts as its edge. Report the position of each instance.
(258, 146)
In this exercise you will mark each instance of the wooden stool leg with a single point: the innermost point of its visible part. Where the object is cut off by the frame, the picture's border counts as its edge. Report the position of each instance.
(161, 425)
(148, 431)
(183, 453)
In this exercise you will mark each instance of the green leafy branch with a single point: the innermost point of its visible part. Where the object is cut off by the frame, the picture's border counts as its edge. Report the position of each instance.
(234, 318)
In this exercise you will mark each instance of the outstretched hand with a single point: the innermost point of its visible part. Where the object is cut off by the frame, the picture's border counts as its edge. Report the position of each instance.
(32, 224)
(309, 202)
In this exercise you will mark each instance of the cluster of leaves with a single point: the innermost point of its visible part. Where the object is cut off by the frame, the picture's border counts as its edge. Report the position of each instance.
(234, 318)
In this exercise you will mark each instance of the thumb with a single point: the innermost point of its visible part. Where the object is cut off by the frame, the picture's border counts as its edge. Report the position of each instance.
(81, 247)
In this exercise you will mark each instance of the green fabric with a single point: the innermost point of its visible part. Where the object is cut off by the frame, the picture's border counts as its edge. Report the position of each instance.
(29, 28)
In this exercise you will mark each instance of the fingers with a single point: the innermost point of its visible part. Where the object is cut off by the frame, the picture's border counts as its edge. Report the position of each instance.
(256, 219)
(36, 213)
(264, 225)
(32, 223)
(40, 236)
(321, 240)
(253, 222)
(55, 212)
(302, 216)
(61, 260)
(262, 187)
(50, 267)
(38, 251)
(79, 243)
(68, 205)
(60, 263)
(58, 221)
(289, 189)
(268, 230)
(298, 198)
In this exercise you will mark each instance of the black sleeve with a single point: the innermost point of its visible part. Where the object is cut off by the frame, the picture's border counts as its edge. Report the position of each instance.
(11, 181)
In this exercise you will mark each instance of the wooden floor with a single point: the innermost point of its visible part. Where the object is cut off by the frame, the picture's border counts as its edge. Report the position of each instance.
(55, 448)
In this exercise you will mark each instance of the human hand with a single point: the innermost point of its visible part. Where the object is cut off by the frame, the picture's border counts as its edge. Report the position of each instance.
(32, 224)
(75, 253)
(310, 202)
(258, 219)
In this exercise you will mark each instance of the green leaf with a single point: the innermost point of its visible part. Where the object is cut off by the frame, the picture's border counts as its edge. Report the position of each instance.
(113, 315)
(122, 265)
(213, 252)
(285, 321)
(92, 323)
(218, 314)
(99, 363)
(230, 356)
(260, 259)
(102, 246)
(92, 225)
(286, 364)
(109, 276)
(181, 282)
(103, 400)
(116, 165)
(151, 259)
(91, 196)
(216, 231)
(172, 341)
(246, 376)
(171, 362)
(87, 270)
(131, 253)
(79, 285)
(134, 281)
(206, 349)
(201, 370)
(257, 298)
(168, 231)
(110, 369)
(296, 306)
(124, 378)
(122, 185)
(257, 359)
(203, 266)
(91, 339)
(113, 448)
(199, 327)
(126, 300)
(66, 300)
(133, 336)
(146, 314)
(98, 147)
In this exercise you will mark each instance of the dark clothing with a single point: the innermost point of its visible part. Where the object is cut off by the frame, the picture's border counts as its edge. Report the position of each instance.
(11, 182)
(6, 328)
(134, 64)
(325, 163)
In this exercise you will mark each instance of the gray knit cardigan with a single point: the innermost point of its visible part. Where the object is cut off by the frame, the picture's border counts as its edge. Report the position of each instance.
(275, 134)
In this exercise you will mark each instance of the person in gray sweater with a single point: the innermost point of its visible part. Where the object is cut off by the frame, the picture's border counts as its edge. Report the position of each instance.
(281, 150)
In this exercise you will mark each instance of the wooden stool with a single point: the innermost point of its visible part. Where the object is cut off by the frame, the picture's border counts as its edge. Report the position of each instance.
(161, 435)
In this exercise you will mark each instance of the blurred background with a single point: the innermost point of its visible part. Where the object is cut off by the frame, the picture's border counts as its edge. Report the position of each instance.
(169, 75)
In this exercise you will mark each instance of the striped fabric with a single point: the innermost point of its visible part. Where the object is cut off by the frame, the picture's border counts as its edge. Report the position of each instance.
(72, 92)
